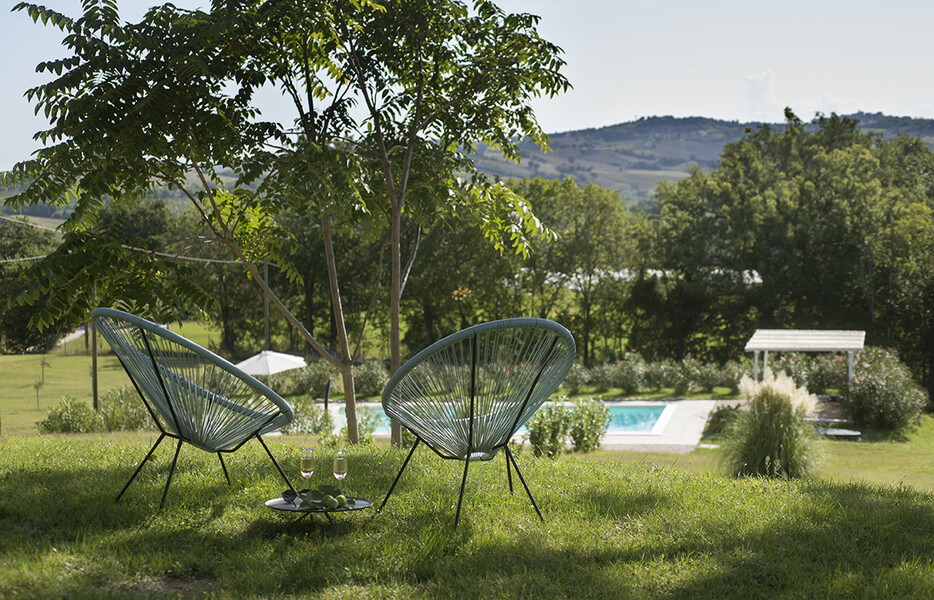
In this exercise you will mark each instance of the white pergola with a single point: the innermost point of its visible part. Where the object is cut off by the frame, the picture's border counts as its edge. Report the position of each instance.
(804, 340)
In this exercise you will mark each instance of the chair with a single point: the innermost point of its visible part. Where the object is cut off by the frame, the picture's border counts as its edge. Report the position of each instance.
(465, 396)
(192, 394)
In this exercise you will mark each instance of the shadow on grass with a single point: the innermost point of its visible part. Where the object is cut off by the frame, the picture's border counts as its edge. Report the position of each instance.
(610, 531)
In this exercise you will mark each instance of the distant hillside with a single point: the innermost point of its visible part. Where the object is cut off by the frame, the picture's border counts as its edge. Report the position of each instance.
(633, 157)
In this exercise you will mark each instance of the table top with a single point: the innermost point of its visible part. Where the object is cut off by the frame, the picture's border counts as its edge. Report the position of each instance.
(297, 505)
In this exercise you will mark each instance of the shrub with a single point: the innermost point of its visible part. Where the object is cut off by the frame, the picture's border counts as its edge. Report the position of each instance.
(707, 376)
(601, 377)
(370, 378)
(797, 366)
(683, 377)
(772, 438)
(828, 371)
(722, 419)
(731, 373)
(120, 410)
(68, 416)
(660, 374)
(577, 378)
(883, 393)
(589, 420)
(548, 429)
(366, 426)
(310, 418)
(313, 379)
(123, 410)
(629, 373)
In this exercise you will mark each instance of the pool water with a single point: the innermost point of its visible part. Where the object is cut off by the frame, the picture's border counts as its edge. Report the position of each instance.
(625, 418)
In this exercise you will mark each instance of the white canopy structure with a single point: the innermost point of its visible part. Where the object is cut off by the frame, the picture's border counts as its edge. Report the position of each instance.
(804, 340)
(268, 362)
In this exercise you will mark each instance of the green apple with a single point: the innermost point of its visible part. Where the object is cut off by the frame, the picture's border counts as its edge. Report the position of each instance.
(341, 501)
(329, 501)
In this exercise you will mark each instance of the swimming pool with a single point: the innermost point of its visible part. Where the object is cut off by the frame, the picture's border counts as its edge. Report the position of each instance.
(626, 418)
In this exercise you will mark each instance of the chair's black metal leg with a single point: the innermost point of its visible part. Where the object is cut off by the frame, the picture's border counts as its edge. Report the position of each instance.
(139, 468)
(457, 516)
(171, 471)
(396, 480)
(223, 466)
(522, 479)
(275, 462)
(509, 474)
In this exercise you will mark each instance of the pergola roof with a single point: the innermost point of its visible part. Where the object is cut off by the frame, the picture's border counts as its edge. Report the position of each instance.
(806, 340)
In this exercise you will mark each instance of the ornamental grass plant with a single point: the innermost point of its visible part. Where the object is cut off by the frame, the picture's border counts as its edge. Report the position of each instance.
(771, 437)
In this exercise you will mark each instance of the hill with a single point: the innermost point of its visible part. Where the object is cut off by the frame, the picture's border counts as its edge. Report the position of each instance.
(633, 157)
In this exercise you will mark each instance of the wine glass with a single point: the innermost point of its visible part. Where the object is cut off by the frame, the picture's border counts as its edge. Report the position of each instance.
(307, 465)
(340, 464)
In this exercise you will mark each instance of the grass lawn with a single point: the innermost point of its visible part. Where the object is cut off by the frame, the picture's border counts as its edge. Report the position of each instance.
(612, 530)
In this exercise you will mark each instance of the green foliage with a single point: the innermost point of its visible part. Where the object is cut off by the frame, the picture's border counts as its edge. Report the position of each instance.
(120, 410)
(722, 419)
(366, 426)
(660, 373)
(370, 377)
(577, 378)
(771, 437)
(797, 366)
(310, 418)
(589, 421)
(731, 373)
(548, 429)
(707, 375)
(68, 416)
(883, 393)
(602, 377)
(826, 372)
(629, 373)
(311, 380)
(683, 377)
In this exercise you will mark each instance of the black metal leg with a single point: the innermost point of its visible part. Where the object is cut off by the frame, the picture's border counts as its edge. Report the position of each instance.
(281, 472)
(135, 473)
(223, 466)
(509, 474)
(396, 480)
(522, 479)
(457, 516)
(171, 471)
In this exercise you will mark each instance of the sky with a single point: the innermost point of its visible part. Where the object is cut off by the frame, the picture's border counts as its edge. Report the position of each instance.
(739, 60)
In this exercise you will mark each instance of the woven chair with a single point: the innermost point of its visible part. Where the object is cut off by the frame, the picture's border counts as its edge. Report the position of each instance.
(465, 396)
(192, 394)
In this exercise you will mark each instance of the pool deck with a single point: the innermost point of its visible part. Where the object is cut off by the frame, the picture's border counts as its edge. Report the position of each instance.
(681, 435)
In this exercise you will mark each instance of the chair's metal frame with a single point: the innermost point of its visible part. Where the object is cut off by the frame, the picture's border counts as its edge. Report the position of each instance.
(559, 358)
(172, 428)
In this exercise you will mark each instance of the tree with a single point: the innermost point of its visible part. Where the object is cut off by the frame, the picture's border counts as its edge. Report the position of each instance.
(813, 225)
(150, 103)
(595, 244)
(20, 245)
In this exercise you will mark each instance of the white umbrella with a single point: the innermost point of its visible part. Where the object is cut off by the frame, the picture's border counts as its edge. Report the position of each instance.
(268, 362)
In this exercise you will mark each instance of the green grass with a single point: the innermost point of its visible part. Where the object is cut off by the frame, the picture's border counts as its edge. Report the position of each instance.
(68, 373)
(611, 530)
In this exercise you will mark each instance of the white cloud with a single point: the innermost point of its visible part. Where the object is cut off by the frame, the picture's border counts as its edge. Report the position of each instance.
(760, 98)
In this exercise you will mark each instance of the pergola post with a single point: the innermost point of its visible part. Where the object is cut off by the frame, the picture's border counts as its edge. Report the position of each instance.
(755, 365)
(849, 370)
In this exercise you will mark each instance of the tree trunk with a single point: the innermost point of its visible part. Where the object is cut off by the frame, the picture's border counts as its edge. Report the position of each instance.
(346, 368)
(395, 302)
